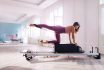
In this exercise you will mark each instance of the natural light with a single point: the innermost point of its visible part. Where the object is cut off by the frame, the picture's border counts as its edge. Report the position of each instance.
(55, 18)
(101, 1)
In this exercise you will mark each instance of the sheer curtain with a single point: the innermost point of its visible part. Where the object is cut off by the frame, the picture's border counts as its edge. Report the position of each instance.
(55, 18)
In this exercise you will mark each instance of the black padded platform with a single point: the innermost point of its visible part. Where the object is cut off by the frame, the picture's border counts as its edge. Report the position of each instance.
(67, 48)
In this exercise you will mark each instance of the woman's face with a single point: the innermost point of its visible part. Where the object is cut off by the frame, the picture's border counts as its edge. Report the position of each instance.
(77, 28)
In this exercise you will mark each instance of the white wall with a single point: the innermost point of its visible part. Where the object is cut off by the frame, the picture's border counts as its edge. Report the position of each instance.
(74, 10)
(86, 13)
(92, 22)
(101, 27)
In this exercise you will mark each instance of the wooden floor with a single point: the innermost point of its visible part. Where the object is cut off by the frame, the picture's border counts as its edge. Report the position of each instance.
(15, 61)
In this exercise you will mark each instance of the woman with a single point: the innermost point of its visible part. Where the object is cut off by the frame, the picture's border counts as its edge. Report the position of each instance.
(70, 30)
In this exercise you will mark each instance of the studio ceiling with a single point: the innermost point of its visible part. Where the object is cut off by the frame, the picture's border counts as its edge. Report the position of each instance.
(18, 11)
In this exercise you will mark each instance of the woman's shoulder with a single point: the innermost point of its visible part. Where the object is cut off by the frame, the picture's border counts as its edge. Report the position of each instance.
(71, 27)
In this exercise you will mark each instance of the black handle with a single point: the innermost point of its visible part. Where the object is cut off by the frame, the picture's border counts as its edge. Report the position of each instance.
(92, 49)
(97, 49)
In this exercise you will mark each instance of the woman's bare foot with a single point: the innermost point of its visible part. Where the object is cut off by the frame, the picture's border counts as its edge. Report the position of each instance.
(32, 24)
(46, 42)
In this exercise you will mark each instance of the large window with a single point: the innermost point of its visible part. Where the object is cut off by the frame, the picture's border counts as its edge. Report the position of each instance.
(55, 18)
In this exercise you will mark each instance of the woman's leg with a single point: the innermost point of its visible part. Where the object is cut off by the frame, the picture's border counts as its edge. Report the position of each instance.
(46, 26)
(57, 41)
(57, 29)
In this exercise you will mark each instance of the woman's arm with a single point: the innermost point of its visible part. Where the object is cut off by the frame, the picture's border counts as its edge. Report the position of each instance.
(73, 35)
(70, 38)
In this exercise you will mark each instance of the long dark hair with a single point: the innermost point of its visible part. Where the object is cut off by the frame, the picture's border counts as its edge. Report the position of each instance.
(76, 24)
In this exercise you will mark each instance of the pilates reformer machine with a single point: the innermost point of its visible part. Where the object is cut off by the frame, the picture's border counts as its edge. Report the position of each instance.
(64, 50)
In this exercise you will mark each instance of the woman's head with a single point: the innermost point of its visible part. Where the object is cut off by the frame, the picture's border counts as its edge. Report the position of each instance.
(77, 26)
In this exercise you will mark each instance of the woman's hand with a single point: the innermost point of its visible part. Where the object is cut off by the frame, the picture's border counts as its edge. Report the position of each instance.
(75, 44)
(71, 43)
